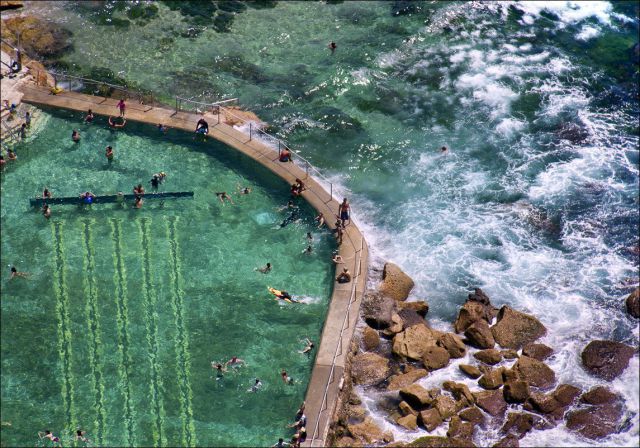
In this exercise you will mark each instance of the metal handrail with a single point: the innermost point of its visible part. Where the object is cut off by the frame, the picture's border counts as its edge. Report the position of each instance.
(346, 319)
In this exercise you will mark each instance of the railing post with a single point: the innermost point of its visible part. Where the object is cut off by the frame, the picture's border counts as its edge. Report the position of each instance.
(249, 131)
(176, 104)
(279, 148)
(55, 81)
(306, 167)
(219, 111)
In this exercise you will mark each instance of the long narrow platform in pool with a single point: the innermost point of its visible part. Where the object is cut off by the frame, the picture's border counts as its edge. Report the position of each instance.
(342, 317)
(110, 198)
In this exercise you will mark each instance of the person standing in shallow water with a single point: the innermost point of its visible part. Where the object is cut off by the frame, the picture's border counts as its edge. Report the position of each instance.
(109, 154)
(332, 46)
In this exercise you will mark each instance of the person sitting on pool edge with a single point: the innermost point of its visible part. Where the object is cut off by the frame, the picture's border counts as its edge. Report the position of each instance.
(202, 127)
(87, 197)
(344, 277)
(285, 156)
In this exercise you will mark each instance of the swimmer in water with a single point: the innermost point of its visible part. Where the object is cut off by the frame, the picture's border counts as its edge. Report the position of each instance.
(15, 273)
(46, 211)
(256, 386)
(113, 124)
(308, 347)
(80, 435)
(11, 155)
(87, 197)
(332, 46)
(265, 269)
(219, 368)
(235, 363)
(47, 435)
(222, 195)
(46, 194)
(285, 377)
(155, 182)
(89, 117)
(309, 237)
(139, 190)
(137, 203)
(320, 220)
(162, 128)
(444, 150)
(243, 190)
(75, 136)
(308, 250)
(109, 154)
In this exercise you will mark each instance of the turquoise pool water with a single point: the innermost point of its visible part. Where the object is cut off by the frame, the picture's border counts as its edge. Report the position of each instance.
(124, 310)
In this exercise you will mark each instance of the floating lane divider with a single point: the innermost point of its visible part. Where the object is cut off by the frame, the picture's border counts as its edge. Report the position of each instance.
(152, 332)
(93, 322)
(182, 342)
(109, 199)
(64, 331)
(120, 281)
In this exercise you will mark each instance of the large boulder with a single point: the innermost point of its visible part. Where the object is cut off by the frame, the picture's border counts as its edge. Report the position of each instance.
(511, 441)
(565, 394)
(492, 379)
(435, 358)
(370, 339)
(397, 382)
(516, 391)
(413, 342)
(406, 408)
(408, 421)
(459, 429)
(410, 318)
(430, 419)
(470, 371)
(479, 335)
(377, 310)
(599, 420)
(520, 423)
(369, 369)
(515, 329)
(606, 359)
(417, 396)
(537, 351)
(491, 401)
(397, 325)
(490, 356)
(445, 405)
(535, 372)
(420, 306)
(633, 303)
(37, 36)
(459, 391)
(473, 415)
(367, 431)
(453, 344)
(395, 283)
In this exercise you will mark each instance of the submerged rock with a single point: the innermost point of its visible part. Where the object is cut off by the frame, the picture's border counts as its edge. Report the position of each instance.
(369, 369)
(515, 329)
(633, 303)
(395, 283)
(606, 359)
(37, 36)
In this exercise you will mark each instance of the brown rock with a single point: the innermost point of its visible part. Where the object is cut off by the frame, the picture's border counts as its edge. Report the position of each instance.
(510, 441)
(633, 303)
(462, 403)
(509, 354)
(347, 442)
(519, 423)
(491, 380)
(418, 396)
(459, 390)
(411, 318)
(516, 391)
(367, 431)
(470, 371)
(473, 415)
(515, 329)
(397, 382)
(377, 310)
(535, 372)
(409, 421)
(37, 36)
(369, 369)
(355, 412)
(413, 342)
(453, 344)
(599, 395)
(396, 325)
(595, 422)
(430, 419)
(10, 4)
(435, 358)
(460, 430)
(445, 405)
(606, 359)
(470, 313)
(491, 401)
(479, 335)
(565, 394)
(543, 402)
(395, 283)
(490, 356)
(370, 339)
(421, 307)
(510, 375)
(537, 351)
(406, 408)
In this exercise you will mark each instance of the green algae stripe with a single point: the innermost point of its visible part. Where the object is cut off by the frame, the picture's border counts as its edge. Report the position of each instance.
(93, 323)
(152, 332)
(63, 328)
(182, 341)
(120, 282)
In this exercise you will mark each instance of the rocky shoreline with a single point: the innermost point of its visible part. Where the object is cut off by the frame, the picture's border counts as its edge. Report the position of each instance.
(514, 391)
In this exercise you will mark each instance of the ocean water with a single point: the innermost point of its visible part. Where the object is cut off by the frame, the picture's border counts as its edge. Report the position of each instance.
(536, 200)
(124, 309)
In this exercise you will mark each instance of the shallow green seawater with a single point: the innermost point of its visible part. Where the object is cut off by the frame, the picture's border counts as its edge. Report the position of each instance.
(124, 309)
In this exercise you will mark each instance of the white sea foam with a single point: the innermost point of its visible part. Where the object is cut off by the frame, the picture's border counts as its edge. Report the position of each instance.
(587, 32)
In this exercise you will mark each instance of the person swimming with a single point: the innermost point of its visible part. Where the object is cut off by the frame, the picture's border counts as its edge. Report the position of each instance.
(46, 211)
(235, 363)
(75, 136)
(308, 347)
(320, 220)
(202, 127)
(219, 368)
(282, 295)
(80, 435)
(155, 182)
(109, 154)
(15, 273)
(265, 269)
(256, 386)
(222, 195)
(285, 377)
(293, 217)
(113, 124)
(89, 117)
(48, 435)
(46, 194)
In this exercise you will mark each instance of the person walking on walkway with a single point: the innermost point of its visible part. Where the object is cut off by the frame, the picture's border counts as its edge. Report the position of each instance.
(121, 107)
(344, 212)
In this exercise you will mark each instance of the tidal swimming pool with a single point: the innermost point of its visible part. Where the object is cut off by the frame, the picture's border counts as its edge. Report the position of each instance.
(124, 309)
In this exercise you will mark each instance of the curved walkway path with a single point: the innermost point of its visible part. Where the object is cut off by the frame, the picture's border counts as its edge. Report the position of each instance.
(339, 326)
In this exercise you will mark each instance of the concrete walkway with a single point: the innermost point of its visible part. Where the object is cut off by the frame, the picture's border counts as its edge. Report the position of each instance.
(340, 323)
